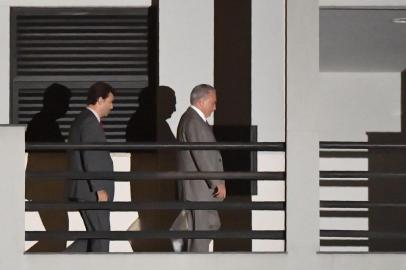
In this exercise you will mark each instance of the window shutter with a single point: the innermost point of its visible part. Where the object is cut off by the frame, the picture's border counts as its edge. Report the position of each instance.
(77, 47)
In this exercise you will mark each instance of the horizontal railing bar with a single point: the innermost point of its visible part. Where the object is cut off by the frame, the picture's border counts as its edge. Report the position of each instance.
(357, 204)
(343, 183)
(343, 214)
(359, 233)
(343, 154)
(127, 147)
(344, 243)
(130, 176)
(360, 145)
(360, 174)
(127, 235)
(133, 206)
(344, 233)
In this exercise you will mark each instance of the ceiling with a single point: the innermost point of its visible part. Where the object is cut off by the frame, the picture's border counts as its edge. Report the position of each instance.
(362, 39)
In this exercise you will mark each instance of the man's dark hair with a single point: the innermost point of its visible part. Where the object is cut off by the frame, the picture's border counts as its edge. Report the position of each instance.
(97, 90)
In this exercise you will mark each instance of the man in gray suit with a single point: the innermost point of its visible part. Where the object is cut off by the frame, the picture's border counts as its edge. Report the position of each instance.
(87, 128)
(193, 127)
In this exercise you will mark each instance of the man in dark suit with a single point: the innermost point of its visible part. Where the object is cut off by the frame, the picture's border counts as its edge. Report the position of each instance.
(87, 128)
(193, 127)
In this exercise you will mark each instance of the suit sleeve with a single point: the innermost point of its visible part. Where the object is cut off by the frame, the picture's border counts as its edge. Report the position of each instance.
(205, 160)
(95, 161)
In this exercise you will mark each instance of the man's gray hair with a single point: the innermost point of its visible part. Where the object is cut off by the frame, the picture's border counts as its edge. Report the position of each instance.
(200, 91)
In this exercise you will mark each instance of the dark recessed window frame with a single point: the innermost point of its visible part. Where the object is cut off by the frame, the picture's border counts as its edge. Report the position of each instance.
(77, 47)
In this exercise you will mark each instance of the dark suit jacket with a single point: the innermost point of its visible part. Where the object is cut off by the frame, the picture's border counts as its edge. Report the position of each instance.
(86, 129)
(192, 128)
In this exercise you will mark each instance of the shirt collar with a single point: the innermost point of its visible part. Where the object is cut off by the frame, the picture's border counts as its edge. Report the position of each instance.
(95, 113)
(199, 112)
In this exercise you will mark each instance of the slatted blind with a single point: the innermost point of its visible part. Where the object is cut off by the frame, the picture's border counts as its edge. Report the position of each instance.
(76, 47)
(126, 103)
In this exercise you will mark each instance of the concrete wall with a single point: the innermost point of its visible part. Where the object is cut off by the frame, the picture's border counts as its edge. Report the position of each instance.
(352, 104)
(268, 110)
(186, 49)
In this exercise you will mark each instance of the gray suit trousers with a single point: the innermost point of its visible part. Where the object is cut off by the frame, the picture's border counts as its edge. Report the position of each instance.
(202, 220)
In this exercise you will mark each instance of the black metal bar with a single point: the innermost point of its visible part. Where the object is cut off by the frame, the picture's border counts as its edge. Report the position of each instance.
(344, 233)
(344, 243)
(360, 145)
(343, 154)
(134, 206)
(358, 234)
(130, 176)
(343, 214)
(343, 183)
(360, 174)
(127, 235)
(357, 204)
(128, 147)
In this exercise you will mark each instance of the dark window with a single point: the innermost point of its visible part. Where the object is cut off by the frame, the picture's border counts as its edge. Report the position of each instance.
(76, 47)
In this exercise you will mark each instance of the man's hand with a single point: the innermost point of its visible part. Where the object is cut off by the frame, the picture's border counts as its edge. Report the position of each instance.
(220, 191)
(102, 196)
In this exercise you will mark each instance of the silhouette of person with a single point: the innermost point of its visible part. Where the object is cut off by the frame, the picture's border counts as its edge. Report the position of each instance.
(149, 124)
(142, 125)
(44, 128)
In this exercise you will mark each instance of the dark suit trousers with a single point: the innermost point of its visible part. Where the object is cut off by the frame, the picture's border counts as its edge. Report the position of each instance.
(95, 220)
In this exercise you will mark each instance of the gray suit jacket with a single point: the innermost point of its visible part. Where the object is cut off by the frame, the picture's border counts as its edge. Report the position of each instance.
(86, 129)
(192, 128)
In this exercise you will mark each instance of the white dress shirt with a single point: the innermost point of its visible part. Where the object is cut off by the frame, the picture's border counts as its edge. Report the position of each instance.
(199, 112)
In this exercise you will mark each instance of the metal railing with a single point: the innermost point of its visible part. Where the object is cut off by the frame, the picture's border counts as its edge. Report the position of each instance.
(151, 176)
(355, 209)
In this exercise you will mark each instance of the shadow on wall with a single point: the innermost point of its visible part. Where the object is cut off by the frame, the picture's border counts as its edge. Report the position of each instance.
(44, 128)
(149, 124)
